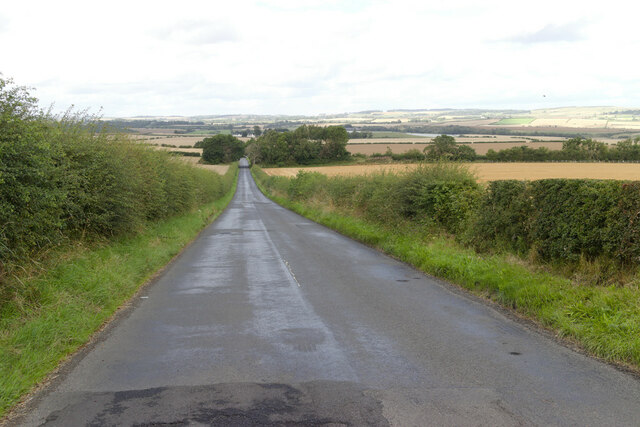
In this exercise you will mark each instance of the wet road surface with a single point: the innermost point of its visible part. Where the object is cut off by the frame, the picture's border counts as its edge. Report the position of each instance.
(270, 318)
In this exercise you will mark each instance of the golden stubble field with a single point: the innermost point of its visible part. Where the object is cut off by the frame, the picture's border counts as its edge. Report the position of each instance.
(219, 169)
(493, 171)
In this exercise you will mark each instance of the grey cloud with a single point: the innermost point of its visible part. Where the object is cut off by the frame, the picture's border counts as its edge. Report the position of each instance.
(551, 33)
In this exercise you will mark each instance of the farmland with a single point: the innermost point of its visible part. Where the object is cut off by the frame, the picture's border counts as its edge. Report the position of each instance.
(169, 140)
(219, 169)
(493, 171)
(479, 148)
(515, 121)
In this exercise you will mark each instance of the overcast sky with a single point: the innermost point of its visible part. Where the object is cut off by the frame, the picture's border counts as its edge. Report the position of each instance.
(321, 56)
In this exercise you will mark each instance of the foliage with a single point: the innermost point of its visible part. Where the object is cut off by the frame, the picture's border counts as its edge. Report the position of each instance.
(574, 149)
(222, 149)
(53, 313)
(444, 147)
(305, 145)
(570, 223)
(442, 193)
(562, 220)
(360, 135)
(65, 178)
(604, 320)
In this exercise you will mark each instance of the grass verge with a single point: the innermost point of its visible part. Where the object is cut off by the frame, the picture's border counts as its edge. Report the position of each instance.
(79, 291)
(603, 320)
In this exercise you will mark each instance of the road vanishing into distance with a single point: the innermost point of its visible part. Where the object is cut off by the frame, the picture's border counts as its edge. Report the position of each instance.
(269, 318)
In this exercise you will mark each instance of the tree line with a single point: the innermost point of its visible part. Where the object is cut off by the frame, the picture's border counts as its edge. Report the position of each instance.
(574, 149)
(445, 147)
(305, 145)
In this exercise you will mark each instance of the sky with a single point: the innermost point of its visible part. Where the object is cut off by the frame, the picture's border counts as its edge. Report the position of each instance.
(306, 57)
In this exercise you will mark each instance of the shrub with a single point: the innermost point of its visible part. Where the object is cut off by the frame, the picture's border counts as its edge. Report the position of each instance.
(66, 177)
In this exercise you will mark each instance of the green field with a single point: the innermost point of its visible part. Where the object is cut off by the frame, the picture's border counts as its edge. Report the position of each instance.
(515, 121)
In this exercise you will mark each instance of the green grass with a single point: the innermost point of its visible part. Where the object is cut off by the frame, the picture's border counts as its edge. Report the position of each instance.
(79, 291)
(515, 121)
(605, 321)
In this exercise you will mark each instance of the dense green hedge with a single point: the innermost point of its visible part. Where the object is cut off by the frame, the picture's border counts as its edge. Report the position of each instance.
(65, 177)
(560, 221)
(440, 194)
(563, 219)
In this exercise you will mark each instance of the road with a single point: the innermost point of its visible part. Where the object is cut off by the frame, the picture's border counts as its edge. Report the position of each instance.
(270, 318)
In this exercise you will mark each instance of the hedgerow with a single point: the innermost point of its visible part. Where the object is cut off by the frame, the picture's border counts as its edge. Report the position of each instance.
(67, 177)
(555, 221)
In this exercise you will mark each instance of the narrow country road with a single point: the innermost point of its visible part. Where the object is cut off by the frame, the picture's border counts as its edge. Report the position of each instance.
(270, 318)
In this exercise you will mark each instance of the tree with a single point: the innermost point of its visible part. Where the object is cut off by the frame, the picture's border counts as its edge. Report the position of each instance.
(304, 145)
(257, 131)
(445, 147)
(222, 149)
(335, 146)
(442, 147)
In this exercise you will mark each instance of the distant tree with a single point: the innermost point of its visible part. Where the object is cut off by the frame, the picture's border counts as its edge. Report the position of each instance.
(335, 146)
(465, 153)
(629, 149)
(222, 149)
(584, 149)
(442, 147)
(304, 145)
(257, 131)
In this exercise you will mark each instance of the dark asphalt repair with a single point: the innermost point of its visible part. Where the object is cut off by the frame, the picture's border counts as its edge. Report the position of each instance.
(271, 319)
(239, 404)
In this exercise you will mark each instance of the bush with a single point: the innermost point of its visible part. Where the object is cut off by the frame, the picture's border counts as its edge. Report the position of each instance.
(561, 220)
(501, 219)
(589, 224)
(221, 148)
(65, 177)
(442, 193)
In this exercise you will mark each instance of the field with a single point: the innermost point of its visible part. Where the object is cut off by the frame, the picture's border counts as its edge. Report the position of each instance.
(515, 121)
(494, 171)
(184, 150)
(219, 169)
(480, 148)
(170, 140)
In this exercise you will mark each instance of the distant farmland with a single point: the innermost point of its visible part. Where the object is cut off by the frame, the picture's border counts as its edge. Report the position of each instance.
(480, 148)
(494, 171)
(515, 121)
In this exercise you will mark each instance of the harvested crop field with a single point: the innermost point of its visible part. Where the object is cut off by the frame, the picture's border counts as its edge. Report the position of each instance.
(480, 148)
(219, 169)
(494, 171)
(461, 139)
(184, 150)
(170, 140)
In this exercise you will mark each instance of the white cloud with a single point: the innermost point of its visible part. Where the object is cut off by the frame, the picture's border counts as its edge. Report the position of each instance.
(552, 33)
(313, 56)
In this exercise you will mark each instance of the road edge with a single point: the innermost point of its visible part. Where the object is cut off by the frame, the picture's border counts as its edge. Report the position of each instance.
(31, 399)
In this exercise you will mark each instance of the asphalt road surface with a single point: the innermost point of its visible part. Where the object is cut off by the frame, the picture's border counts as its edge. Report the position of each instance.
(269, 318)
